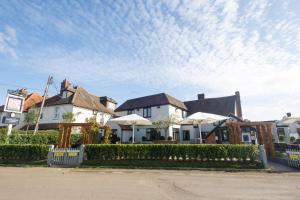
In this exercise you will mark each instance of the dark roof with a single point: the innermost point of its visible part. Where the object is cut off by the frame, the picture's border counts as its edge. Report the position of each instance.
(221, 106)
(80, 98)
(152, 100)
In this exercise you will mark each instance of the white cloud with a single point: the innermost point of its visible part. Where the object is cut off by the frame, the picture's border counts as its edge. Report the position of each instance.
(217, 46)
(8, 41)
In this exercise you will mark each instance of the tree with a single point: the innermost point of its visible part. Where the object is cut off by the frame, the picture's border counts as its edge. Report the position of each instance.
(165, 124)
(292, 139)
(30, 117)
(68, 117)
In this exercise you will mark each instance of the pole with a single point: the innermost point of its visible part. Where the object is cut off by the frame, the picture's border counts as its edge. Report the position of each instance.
(49, 82)
(132, 133)
(200, 135)
(9, 127)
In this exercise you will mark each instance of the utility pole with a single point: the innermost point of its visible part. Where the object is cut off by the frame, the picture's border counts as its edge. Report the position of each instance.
(49, 82)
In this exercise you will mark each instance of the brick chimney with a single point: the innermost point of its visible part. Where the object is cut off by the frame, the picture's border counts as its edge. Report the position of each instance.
(238, 105)
(64, 85)
(23, 91)
(201, 96)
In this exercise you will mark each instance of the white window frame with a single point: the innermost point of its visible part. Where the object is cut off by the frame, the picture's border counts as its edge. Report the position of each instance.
(56, 113)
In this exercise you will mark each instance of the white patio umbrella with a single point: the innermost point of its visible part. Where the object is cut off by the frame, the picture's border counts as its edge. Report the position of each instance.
(200, 118)
(132, 120)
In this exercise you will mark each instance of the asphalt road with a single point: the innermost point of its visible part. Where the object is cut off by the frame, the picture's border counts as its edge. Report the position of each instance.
(55, 183)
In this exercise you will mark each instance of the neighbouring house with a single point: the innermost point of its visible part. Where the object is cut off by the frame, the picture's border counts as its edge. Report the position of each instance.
(225, 106)
(287, 129)
(30, 100)
(76, 100)
(160, 107)
(157, 108)
(219, 105)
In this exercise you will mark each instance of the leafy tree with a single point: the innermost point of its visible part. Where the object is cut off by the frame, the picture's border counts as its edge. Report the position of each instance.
(165, 124)
(68, 117)
(30, 117)
(292, 139)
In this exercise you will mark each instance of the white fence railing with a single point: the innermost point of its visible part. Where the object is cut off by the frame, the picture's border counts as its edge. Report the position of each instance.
(65, 157)
(293, 158)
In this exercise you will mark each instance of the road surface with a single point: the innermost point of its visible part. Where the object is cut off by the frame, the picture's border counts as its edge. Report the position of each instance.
(54, 183)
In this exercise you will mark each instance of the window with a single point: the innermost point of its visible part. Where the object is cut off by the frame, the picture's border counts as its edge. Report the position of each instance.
(185, 135)
(3, 119)
(129, 112)
(280, 131)
(246, 138)
(56, 113)
(183, 114)
(147, 112)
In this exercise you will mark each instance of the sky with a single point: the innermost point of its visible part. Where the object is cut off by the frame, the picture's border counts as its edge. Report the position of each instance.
(126, 49)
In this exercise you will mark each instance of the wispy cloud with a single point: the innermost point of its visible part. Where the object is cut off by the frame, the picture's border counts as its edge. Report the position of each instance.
(8, 42)
(215, 46)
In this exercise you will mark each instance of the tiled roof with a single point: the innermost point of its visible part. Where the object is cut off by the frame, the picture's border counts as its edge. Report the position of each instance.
(220, 106)
(80, 98)
(152, 100)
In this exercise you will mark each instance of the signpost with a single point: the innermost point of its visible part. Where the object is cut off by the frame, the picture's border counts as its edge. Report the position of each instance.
(13, 105)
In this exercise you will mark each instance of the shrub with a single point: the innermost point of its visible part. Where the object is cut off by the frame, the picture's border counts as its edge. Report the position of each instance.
(23, 152)
(292, 139)
(207, 152)
(42, 137)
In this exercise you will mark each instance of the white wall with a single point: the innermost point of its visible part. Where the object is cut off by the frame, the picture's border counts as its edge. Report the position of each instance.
(49, 112)
(162, 112)
(81, 114)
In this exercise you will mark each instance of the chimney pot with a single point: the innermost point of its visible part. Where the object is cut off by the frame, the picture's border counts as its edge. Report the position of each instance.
(201, 96)
(64, 85)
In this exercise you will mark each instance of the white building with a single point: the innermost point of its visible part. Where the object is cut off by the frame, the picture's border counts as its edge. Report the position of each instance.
(161, 107)
(286, 128)
(158, 107)
(76, 100)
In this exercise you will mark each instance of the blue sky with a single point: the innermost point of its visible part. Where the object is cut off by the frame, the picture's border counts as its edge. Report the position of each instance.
(126, 49)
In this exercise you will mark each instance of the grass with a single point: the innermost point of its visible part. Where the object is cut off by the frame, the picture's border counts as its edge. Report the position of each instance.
(158, 164)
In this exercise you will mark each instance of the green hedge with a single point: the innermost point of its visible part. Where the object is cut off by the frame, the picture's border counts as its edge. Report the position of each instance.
(42, 137)
(203, 152)
(23, 152)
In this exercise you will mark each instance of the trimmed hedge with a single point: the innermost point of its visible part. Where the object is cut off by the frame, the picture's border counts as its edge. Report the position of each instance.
(23, 152)
(203, 152)
(43, 137)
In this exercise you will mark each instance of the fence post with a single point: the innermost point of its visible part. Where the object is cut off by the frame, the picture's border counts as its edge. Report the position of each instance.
(81, 154)
(50, 154)
(263, 155)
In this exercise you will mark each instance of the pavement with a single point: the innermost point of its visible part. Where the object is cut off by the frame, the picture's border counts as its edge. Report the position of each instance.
(55, 183)
(277, 167)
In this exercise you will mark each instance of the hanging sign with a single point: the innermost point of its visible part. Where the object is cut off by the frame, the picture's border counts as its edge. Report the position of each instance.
(14, 103)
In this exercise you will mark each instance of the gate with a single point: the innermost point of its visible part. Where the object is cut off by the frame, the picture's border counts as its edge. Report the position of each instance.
(293, 158)
(65, 157)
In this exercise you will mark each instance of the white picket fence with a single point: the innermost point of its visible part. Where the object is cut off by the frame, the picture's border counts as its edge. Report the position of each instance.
(65, 157)
(293, 157)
